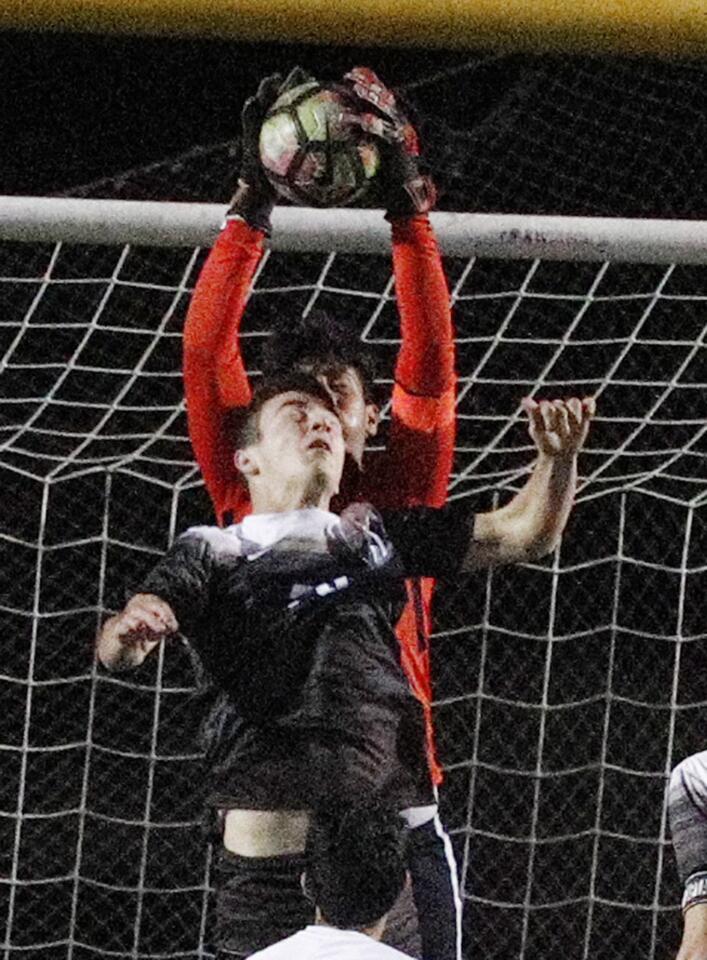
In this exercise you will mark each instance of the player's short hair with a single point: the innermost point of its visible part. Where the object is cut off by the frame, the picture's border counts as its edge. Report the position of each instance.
(245, 423)
(355, 863)
(319, 342)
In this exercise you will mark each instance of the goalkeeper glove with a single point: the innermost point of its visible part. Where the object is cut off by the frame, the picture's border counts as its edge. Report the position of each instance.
(407, 189)
(254, 198)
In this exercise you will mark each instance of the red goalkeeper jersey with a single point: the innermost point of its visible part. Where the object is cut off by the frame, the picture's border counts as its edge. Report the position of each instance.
(414, 468)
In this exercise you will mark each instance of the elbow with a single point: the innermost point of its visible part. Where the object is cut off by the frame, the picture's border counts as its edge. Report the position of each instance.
(511, 536)
(525, 543)
(542, 545)
(525, 551)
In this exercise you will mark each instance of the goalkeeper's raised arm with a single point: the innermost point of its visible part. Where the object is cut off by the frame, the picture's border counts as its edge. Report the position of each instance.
(215, 380)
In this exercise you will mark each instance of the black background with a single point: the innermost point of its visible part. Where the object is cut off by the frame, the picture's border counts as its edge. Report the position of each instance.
(516, 133)
(521, 133)
(75, 107)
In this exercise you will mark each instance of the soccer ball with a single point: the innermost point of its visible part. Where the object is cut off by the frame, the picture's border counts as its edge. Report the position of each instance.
(310, 153)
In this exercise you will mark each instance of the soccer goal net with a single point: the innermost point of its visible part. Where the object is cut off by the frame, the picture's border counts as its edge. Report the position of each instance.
(565, 689)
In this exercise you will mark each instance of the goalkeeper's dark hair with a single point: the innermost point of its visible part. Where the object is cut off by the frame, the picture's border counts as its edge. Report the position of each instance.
(318, 342)
(355, 863)
(244, 426)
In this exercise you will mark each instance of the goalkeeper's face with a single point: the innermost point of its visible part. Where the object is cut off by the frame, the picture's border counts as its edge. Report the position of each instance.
(299, 444)
(358, 415)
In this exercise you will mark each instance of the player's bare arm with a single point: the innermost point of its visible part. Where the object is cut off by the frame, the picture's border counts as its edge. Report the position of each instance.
(694, 936)
(215, 378)
(126, 638)
(531, 525)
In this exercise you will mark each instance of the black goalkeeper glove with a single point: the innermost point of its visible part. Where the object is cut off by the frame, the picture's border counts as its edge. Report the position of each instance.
(406, 188)
(254, 198)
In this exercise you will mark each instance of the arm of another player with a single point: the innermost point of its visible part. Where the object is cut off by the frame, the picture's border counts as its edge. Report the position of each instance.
(215, 379)
(444, 541)
(531, 524)
(173, 597)
(126, 638)
(687, 808)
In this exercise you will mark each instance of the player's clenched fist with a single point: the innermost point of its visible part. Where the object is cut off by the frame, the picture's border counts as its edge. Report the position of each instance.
(559, 427)
(125, 639)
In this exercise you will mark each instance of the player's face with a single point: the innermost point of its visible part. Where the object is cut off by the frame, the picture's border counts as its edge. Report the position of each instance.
(299, 438)
(359, 419)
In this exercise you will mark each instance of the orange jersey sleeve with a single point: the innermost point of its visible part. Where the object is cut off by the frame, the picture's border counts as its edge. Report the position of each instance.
(215, 379)
(415, 468)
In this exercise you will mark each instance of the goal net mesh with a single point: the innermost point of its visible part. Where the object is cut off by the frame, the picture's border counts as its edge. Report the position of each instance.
(565, 690)
(522, 134)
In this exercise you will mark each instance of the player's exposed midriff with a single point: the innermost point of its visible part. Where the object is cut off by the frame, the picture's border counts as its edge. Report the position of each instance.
(265, 833)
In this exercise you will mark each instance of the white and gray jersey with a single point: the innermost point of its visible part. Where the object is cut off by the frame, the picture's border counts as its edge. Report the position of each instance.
(292, 617)
(687, 806)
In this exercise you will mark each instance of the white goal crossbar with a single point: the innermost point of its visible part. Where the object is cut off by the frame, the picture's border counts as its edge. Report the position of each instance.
(299, 229)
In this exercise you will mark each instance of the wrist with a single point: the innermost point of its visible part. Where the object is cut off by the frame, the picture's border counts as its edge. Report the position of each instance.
(410, 198)
(254, 204)
(695, 890)
(558, 458)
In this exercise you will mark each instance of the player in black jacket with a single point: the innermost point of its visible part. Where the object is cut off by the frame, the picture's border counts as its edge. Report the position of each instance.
(292, 614)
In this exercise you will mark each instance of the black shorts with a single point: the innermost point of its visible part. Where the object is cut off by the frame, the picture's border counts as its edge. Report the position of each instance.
(259, 900)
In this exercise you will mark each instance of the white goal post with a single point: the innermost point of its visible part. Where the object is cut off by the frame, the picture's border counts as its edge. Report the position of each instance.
(155, 223)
